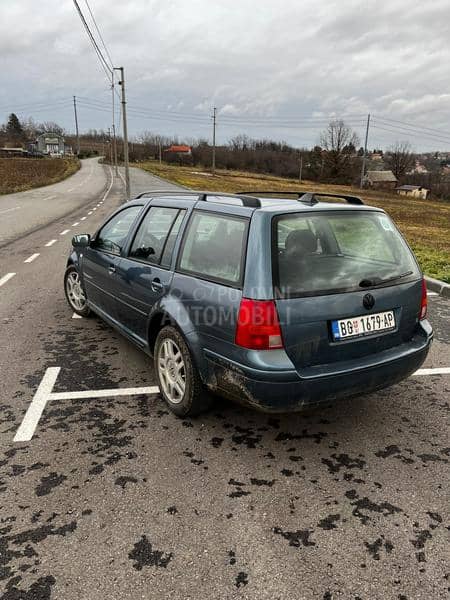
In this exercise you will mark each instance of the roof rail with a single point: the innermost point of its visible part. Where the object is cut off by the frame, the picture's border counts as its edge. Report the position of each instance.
(306, 196)
(248, 201)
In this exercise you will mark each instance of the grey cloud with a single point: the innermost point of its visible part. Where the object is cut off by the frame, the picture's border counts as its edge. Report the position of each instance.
(255, 58)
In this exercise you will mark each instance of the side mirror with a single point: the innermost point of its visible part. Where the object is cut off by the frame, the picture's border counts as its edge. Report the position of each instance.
(81, 241)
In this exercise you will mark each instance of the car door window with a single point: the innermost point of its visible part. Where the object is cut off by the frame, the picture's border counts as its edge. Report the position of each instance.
(112, 237)
(214, 247)
(153, 234)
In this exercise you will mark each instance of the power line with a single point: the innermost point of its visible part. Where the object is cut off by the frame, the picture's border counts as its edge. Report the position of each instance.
(103, 62)
(99, 34)
(410, 124)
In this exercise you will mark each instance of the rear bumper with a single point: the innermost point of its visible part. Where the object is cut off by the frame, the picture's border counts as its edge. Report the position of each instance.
(287, 390)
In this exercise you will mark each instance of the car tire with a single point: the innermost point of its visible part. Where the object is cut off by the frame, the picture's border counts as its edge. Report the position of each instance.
(178, 378)
(75, 294)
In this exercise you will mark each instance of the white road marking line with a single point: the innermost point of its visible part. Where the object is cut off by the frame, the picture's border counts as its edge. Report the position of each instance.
(90, 213)
(44, 394)
(432, 294)
(36, 408)
(120, 175)
(436, 371)
(49, 198)
(64, 232)
(2, 212)
(110, 185)
(95, 208)
(75, 224)
(83, 219)
(31, 258)
(71, 190)
(50, 243)
(75, 316)
(6, 278)
(104, 393)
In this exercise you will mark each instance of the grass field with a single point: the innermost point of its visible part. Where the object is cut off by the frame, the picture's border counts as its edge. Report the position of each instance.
(425, 224)
(19, 174)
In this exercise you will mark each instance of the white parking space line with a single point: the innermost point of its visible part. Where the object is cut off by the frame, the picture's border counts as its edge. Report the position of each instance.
(154, 389)
(75, 224)
(36, 408)
(50, 243)
(44, 394)
(31, 258)
(436, 371)
(6, 278)
(83, 219)
(64, 232)
(75, 316)
(2, 212)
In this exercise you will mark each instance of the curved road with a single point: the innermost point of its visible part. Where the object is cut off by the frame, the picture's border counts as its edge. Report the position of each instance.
(115, 498)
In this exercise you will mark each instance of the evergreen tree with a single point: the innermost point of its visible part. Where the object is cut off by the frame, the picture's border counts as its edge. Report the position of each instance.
(14, 129)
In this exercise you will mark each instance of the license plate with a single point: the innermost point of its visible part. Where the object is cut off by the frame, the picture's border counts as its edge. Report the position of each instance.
(363, 325)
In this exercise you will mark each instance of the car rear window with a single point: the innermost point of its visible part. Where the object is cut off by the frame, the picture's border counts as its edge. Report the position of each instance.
(331, 252)
(213, 247)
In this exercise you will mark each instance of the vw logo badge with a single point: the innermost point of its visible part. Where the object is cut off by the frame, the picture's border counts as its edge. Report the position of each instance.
(368, 301)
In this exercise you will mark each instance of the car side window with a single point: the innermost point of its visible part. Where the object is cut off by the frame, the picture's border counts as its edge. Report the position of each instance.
(113, 235)
(154, 233)
(214, 247)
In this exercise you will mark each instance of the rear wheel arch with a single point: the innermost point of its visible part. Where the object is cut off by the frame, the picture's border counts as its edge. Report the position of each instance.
(157, 322)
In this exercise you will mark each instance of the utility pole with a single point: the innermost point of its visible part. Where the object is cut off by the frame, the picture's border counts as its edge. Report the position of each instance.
(301, 169)
(114, 146)
(76, 124)
(110, 145)
(125, 132)
(159, 150)
(363, 168)
(214, 142)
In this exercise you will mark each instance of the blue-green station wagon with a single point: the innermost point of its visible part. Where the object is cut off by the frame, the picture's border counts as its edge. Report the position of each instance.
(278, 301)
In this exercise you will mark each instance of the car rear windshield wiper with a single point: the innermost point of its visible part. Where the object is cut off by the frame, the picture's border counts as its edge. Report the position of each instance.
(378, 280)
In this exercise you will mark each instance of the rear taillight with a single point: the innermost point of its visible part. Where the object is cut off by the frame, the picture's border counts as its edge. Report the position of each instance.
(423, 301)
(258, 327)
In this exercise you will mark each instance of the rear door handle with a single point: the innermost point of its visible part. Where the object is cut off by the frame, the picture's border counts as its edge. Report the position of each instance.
(156, 285)
(111, 269)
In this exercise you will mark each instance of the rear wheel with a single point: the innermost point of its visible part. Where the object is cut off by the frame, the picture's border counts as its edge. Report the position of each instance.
(74, 292)
(178, 379)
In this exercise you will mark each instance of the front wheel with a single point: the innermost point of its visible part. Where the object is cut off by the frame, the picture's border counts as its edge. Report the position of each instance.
(74, 292)
(178, 378)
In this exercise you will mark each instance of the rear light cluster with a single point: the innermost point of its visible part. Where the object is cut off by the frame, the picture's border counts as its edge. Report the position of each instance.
(424, 301)
(258, 327)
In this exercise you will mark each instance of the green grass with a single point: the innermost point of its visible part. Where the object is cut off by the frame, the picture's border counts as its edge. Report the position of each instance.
(425, 224)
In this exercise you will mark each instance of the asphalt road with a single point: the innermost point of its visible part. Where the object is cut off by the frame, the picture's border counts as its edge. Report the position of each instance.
(115, 498)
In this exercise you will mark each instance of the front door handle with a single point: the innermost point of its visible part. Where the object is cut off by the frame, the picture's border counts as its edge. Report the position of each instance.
(156, 285)
(111, 269)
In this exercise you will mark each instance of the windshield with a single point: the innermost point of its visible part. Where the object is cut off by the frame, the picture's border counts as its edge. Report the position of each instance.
(331, 252)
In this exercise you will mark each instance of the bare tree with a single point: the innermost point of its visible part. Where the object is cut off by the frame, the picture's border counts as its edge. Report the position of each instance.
(400, 158)
(339, 143)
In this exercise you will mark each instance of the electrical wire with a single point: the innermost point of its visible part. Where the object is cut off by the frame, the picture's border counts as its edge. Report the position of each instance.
(108, 70)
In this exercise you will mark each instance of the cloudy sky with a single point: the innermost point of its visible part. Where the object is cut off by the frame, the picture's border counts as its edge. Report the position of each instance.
(273, 68)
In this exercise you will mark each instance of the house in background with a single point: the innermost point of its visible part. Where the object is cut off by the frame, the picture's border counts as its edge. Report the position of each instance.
(415, 191)
(50, 143)
(380, 180)
(179, 150)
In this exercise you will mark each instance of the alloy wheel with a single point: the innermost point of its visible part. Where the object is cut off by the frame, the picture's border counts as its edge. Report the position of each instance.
(172, 371)
(74, 291)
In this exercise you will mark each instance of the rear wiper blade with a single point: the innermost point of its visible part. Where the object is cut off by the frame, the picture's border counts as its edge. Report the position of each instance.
(378, 280)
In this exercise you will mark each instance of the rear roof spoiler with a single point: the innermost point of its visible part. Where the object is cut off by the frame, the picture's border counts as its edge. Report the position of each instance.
(308, 197)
